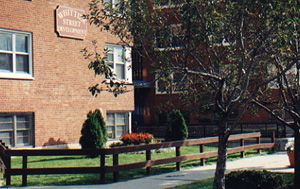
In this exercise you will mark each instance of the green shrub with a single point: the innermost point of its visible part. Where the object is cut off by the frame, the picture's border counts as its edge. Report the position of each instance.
(177, 128)
(93, 132)
(253, 180)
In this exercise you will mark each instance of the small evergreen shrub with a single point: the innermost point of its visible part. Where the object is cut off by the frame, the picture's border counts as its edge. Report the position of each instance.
(253, 180)
(93, 132)
(177, 128)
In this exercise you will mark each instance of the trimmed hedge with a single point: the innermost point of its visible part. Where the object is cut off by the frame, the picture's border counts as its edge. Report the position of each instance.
(254, 180)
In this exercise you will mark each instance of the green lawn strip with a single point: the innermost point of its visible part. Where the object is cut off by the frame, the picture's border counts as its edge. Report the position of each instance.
(207, 183)
(80, 161)
(204, 184)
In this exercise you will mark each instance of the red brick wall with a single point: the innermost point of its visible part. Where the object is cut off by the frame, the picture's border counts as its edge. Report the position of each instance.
(59, 94)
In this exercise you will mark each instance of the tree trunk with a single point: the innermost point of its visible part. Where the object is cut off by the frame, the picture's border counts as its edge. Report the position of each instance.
(219, 180)
(297, 159)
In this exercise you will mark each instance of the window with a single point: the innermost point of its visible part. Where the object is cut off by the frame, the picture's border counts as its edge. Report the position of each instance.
(167, 3)
(117, 124)
(175, 83)
(111, 4)
(16, 130)
(170, 37)
(15, 54)
(119, 59)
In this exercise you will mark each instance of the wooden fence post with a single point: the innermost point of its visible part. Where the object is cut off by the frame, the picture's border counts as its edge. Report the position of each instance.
(177, 155)
(258, 142)
(7, 171)
(242, 144)
(115, 163)
(273, 139)
(202, 160)
(102, 168)
(24, 171)
(148, 158)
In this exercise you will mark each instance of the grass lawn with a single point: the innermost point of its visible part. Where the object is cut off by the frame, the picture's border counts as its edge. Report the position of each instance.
(207, 184)
(60, 161)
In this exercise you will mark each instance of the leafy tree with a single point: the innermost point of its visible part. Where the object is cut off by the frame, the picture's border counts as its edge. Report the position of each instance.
(222, 48)
(93, 132)
(177, 128)
(284, 105)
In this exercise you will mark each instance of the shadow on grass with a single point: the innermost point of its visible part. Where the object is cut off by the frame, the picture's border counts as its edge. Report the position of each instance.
(57, 159)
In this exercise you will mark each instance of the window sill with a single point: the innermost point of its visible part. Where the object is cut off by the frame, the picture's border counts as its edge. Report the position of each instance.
(25, 147)
(124, 82)
(165, 93)
(161, 7)
(16, 76)
(168, 49)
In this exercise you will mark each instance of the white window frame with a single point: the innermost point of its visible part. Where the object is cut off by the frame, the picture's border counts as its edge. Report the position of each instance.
(14, 130)
(111, 2)
(114, 126)
(127, 62)
(14, 74)
(169, 48)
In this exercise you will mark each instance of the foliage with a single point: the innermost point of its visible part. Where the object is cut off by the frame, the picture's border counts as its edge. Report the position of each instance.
(177, 128)
(207, 184)
(253, 180)
(136, 138)
(93, 132)
(227, 50)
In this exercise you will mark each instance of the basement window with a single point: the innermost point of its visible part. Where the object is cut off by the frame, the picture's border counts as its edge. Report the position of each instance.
(16, 130)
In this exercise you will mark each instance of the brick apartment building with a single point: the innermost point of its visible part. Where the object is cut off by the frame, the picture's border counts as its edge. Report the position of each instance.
(152, 102)
(44, 78)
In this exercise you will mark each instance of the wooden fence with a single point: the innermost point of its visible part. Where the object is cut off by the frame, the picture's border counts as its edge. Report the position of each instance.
(6, 155)
(211, 129)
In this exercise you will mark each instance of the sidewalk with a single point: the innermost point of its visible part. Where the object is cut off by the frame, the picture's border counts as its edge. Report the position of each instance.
(277, 162)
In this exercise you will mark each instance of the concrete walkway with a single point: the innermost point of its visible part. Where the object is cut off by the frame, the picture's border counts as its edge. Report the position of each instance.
(276, 162)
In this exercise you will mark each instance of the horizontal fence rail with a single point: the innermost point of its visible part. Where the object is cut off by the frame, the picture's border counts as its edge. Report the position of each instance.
(210, 129)
(104, 169)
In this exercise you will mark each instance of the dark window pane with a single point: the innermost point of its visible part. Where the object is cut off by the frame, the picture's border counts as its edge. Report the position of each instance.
(21, 141)
(22, 118)
(22, 63)
(121, 119)
(120, 131)
(162, 86)
(21, 43)
(22, 133)
(7, 137)
(6, 126)
(6, 119)
(110, 120)
(119, 54)
(164, 2)
(6, 62)
(5, 42)
(110, 131)
(23, 138)
(110, 57)
(23, 125)
(120, 71)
